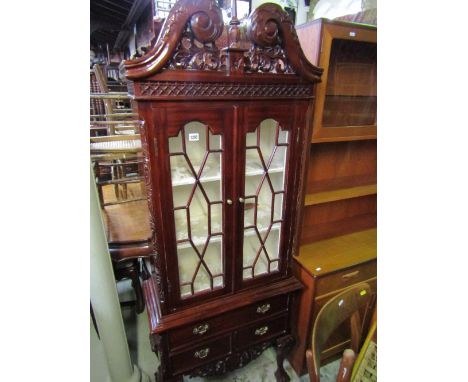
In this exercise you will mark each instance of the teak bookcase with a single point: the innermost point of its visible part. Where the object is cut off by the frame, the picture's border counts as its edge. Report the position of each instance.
(339, 216)
(225, 138)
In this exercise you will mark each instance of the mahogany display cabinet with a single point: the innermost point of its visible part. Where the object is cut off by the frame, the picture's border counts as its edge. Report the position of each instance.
(346, 104)
(225, 137)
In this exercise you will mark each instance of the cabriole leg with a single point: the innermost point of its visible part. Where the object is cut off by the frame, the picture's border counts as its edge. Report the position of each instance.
(283, 346)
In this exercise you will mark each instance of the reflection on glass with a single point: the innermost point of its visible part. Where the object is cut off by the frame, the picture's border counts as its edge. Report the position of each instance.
(265, 166)
(351, 94)
(196, 175)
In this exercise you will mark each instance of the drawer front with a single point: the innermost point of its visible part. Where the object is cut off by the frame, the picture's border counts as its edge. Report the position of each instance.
(260, 332)
(228, 321)
(201, 354)
(343, 279)
(264, 308)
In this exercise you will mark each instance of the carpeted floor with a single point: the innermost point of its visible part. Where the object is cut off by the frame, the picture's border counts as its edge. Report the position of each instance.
(259, 370)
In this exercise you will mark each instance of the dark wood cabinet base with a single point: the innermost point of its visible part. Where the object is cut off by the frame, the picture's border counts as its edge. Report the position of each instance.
(238, 360)
(231, 362)
(214, 342)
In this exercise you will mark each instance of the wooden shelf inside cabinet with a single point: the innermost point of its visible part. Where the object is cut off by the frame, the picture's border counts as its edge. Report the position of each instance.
(340, 194)
(339, 253)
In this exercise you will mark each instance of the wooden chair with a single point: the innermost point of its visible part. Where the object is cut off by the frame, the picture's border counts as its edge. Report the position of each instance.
(344, 306)
(118, 163)
(117, 104)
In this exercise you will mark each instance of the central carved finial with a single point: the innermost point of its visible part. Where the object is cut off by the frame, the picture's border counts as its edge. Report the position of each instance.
(234, 32)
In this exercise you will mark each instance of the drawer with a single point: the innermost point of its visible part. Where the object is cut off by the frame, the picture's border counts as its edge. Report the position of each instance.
(201, 354)
(264, 308)
(343, 279)
(260, 331)
(227, 321)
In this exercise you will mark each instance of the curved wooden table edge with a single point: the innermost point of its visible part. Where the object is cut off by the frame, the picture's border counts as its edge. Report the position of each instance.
(128, 250)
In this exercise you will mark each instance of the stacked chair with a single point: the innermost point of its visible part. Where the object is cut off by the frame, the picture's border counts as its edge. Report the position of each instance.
(117, 160)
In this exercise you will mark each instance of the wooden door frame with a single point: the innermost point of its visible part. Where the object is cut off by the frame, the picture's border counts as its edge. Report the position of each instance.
(347, 133)
(291, 115)
(219, 117)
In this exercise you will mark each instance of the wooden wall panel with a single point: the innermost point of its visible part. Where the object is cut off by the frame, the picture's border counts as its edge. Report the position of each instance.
(342, 164)
(327, 220)
(309, 38)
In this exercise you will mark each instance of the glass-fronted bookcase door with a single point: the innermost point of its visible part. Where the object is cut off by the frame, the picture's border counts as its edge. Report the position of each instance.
(199, 156)
(265, 174)
(347, 97)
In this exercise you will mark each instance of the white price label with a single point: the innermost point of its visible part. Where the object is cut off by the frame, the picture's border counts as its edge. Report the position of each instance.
(194, 137)
(352, 34)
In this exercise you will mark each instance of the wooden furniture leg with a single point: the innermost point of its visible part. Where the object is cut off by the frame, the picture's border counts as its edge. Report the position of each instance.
(140, 304)
(283, 346)
(346, 366)
(131, 272)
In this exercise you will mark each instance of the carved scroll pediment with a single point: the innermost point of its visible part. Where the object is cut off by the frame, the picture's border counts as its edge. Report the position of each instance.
(206, 25)
(272, 33)
(189, 40)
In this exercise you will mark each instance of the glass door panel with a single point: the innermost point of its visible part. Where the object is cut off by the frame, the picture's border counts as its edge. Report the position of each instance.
(265, 168)
(351, 91)
(197, 181)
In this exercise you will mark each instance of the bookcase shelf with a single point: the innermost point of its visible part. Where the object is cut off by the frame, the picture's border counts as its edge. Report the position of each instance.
(340, 252)
(340, 194)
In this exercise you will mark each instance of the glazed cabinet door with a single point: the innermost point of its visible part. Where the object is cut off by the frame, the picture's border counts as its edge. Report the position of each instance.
(266, 167)
(347, 96)
(198, 156)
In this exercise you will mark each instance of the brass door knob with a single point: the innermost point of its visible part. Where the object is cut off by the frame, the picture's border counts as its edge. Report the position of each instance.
(229, 201)
(241, 200)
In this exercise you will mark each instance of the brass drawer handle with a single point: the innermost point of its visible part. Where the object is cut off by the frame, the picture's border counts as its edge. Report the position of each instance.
(262, 309)
(202, 353)
(201, 329)
(350, 275)
(261, 331)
